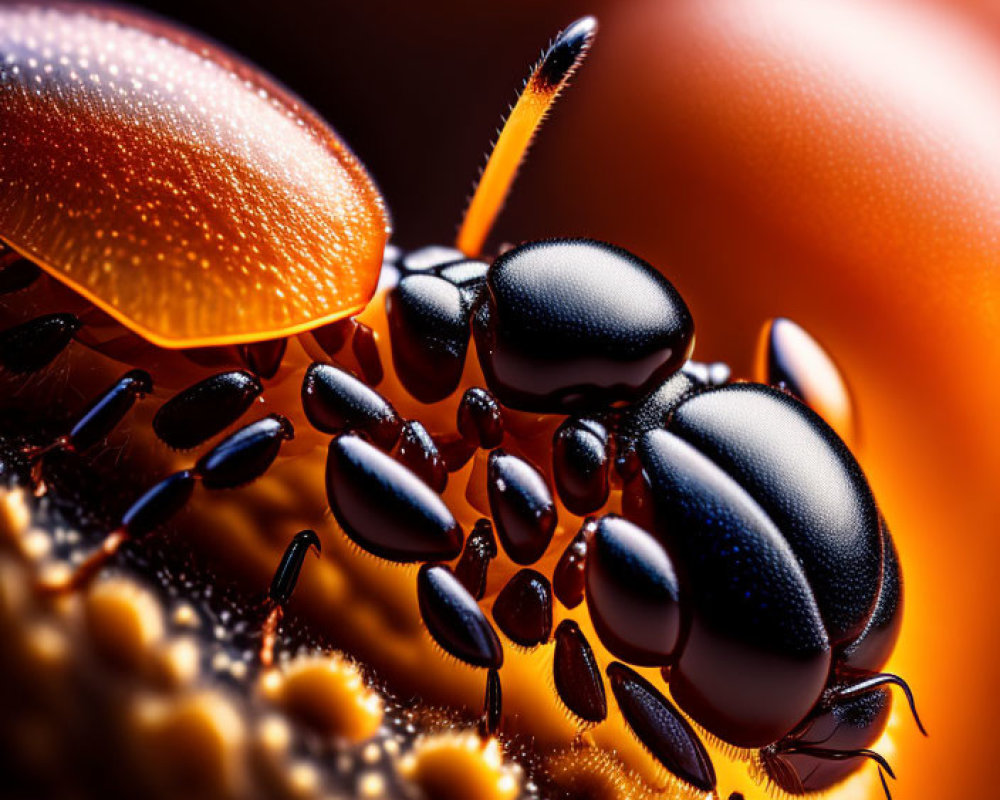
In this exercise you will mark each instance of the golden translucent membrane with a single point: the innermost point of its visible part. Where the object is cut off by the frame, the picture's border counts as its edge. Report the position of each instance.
(173, 185)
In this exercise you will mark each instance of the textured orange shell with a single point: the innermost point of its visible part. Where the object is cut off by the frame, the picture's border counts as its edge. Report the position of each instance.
(175, 186)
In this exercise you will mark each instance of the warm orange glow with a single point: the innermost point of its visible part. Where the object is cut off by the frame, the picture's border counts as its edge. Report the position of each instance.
(834, 162)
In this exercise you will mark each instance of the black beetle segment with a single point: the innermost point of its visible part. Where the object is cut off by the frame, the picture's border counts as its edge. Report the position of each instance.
(384, 507)
(157, 505)
(429, 334)
(264, 358)
(806, 480)
(365, 349)
(16, 273)
(454, 619)
(661, 727)
(287, 573)
(578, 324)
(580, 462)
(756, 655)
(417, 451)
(848, 726)
(577, 676)
(523, 608)
(632, 593)
(480, 418)
(245, 455)
(871, 650)
(206, 408)
(34, 344)
(109, 409)
(336, 401)
(521, 505)
(569, 577)
(473, 566)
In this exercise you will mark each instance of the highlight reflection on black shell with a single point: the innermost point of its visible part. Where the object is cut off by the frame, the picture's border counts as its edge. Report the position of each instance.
(572, 324)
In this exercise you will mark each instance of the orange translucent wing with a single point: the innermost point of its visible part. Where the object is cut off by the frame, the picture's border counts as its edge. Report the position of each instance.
(175, 186)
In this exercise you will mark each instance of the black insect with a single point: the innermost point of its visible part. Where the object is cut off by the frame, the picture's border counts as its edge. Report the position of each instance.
(750, 563)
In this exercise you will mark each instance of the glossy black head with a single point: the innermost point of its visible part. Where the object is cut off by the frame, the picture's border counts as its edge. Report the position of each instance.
(573, 324)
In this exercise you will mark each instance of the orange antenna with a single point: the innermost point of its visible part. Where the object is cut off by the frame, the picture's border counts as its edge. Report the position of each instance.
(543, 86)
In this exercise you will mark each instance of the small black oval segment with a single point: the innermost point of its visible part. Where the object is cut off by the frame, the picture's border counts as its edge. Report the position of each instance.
(332, 338)
(455, 619)
(577, 677)
(34, 344)
(522, 507)
(429, 334)
(336, 401)
(244, 455)
(109, 409)
(158, 504)
(384, 507)
(493, 702)
(523, 608)
(480, 418)
(569, 577)
(206, 408)
(661, 727)
(473, 567)
(364, 345)
(580, 464)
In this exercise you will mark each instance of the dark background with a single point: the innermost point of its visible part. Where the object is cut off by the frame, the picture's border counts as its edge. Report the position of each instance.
(415, 89)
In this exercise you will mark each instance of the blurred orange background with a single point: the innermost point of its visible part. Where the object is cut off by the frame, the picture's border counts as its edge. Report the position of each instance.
(833, 161)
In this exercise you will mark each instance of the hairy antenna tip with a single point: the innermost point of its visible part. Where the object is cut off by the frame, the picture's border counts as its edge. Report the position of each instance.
(563, 57)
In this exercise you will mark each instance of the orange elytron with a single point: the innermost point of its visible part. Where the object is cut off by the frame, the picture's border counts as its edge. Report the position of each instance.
(421, 453)
(174, 186)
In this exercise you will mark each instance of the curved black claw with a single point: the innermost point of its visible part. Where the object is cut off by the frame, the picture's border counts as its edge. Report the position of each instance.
(287, 573)
(870, 681)
(843, 755)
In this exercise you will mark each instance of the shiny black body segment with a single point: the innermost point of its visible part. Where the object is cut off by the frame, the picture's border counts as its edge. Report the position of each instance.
(206, 408)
